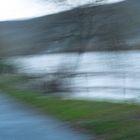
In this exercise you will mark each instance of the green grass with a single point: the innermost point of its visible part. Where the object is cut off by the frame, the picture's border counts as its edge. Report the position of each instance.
(109, 121)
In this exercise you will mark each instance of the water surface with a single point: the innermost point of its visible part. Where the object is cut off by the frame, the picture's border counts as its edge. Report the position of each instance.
(99, 75)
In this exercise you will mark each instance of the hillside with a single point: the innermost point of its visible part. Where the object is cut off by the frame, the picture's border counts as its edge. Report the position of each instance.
(100, 28)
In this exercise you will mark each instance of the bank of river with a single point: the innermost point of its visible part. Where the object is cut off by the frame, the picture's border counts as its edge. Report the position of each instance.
(108, 121)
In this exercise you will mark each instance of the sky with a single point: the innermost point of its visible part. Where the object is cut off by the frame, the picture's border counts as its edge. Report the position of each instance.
(25, 9)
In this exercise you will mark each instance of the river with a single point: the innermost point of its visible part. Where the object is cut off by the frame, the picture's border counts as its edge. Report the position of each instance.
(98, 75)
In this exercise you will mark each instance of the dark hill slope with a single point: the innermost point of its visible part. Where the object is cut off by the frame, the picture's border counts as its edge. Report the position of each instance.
(108, 27)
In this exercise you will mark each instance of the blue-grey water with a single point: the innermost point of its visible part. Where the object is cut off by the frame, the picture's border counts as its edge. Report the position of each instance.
(17, 122)
(99, 75)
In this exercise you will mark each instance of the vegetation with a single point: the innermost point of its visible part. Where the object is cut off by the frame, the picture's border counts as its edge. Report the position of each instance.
(6, 67)
(109, 121)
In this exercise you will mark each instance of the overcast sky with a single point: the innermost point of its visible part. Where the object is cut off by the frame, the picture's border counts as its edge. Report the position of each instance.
(24, 9)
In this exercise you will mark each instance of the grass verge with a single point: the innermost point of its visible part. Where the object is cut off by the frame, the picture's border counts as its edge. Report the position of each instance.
(109, 121)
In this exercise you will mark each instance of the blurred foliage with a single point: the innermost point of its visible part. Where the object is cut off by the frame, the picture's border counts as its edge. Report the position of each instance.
(6, 67)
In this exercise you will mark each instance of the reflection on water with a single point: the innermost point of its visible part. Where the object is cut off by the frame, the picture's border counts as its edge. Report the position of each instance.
(97, 75)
